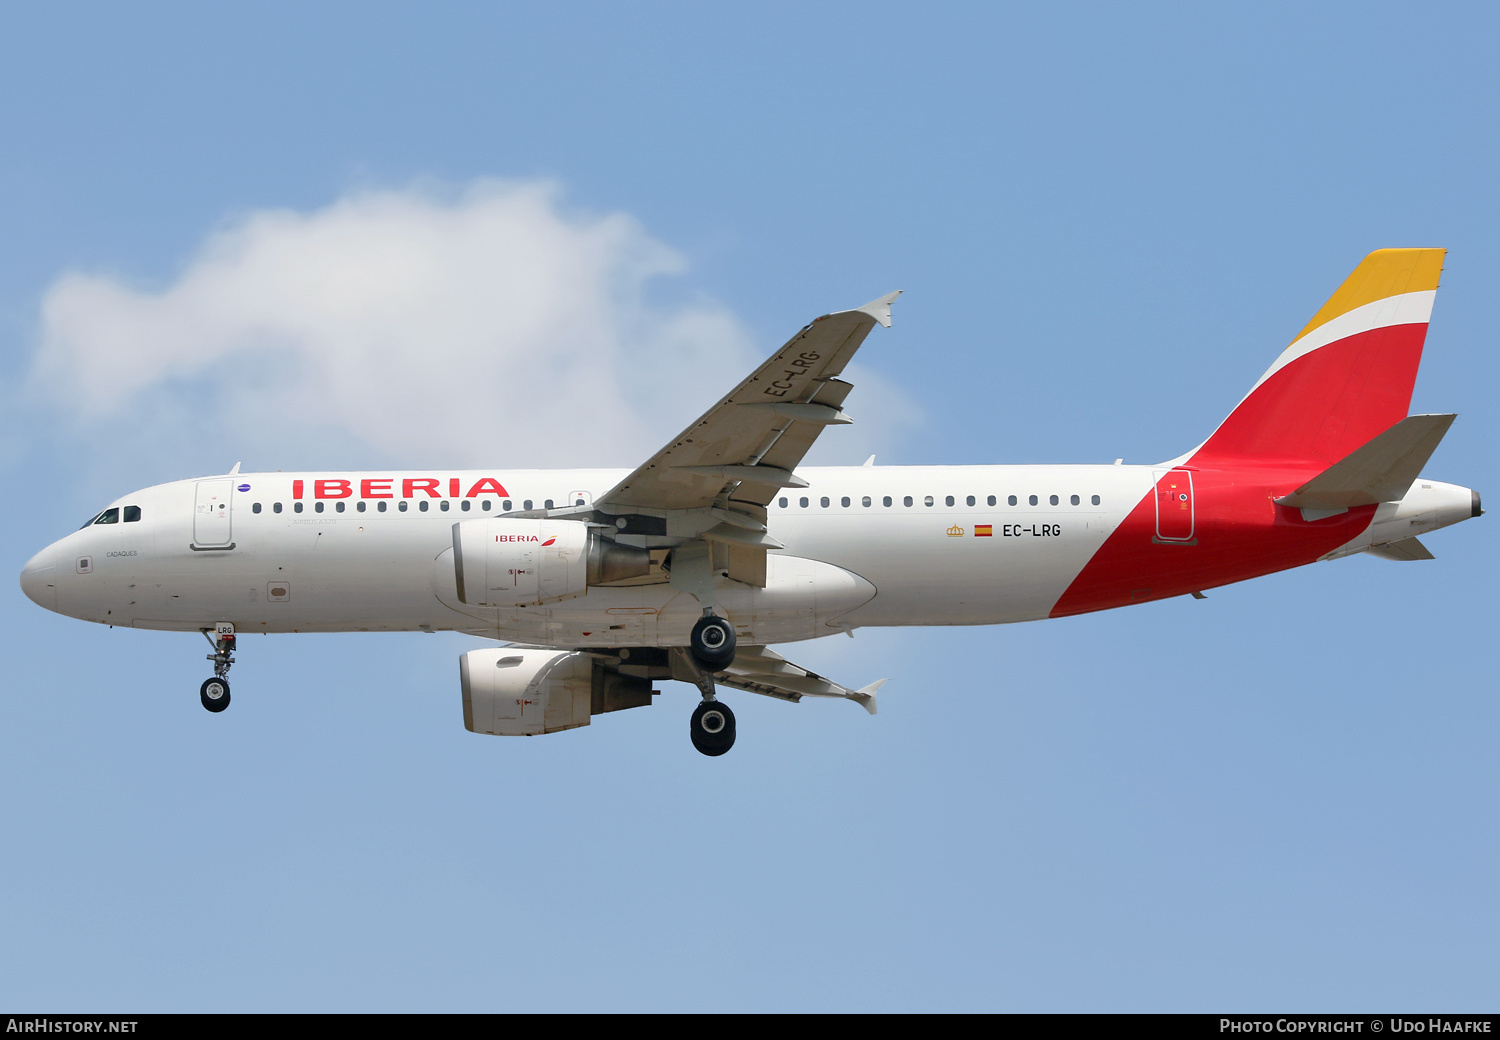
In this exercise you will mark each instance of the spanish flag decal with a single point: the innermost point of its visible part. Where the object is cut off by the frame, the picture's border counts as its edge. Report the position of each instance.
(984, 531)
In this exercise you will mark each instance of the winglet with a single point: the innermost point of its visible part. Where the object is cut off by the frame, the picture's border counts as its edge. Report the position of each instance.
(880, 309)
(865, 698)
(234, 472)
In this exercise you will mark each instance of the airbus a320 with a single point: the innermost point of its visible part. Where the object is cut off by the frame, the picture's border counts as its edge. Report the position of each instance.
(690, 567)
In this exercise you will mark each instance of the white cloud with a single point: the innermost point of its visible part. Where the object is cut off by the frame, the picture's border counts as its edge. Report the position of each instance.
(483, 327)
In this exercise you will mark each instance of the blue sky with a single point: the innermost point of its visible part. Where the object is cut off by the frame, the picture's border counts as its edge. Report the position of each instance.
(1108, 221)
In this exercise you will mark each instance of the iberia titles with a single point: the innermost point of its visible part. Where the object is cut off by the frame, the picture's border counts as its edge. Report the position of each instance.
(397, 487)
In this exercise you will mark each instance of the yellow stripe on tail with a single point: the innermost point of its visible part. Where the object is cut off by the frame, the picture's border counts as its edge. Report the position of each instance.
(1385, 272)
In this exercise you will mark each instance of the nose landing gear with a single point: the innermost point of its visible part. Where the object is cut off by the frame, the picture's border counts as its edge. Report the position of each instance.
(214, 693)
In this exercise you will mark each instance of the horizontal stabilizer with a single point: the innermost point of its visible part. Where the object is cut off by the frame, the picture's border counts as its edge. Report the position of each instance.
(1404, 551)
(1380, 471)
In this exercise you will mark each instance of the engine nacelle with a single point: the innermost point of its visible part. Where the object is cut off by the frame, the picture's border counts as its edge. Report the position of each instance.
(513, 692)
(507, 562)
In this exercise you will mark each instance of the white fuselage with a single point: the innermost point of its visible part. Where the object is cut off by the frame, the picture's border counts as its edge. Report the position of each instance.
(384, 562)
(864, 546)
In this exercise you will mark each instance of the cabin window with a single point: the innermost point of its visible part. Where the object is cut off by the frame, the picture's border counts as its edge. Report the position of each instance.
(109, 516)
(506, 505)
(1011, 500)
(380, 506)
(276, 508)
(422, 505)
(1096, 500)
(526, 504)
(802, 502)
(823, 501)
(464, 505)
(255, 508)
(1052, 500)
(906, 501)
(547, 504)
(296, 507)
(781, 503)
(487, 505)
(443, 505)
(992, 500)
(318, 508)
(969, 500)
(844, 502)
(887, 500)
(401, 505)
(865, 501)
(338, 506)
(949, 501)
(1032, 499)
(927, 501)
(1073, 500)
(361, 505)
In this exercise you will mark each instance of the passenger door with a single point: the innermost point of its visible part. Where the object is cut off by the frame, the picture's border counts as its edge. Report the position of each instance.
(212, 519)
(1174, 505)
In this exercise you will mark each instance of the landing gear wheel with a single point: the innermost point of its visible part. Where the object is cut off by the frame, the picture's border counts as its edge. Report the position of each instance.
(712, 643)
(214, 693)
(713, 728)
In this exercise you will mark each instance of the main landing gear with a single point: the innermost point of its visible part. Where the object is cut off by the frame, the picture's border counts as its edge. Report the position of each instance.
(214, 693)
(713, 728)
(711, 649)
(712, 643)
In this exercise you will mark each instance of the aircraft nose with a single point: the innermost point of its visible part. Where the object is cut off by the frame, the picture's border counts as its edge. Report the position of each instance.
(39, 580)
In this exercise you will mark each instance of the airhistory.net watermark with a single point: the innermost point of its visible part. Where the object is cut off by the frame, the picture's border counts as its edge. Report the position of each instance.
(43, 1024)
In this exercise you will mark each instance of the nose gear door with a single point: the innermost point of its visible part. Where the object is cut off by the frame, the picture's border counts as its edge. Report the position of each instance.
(212, 514)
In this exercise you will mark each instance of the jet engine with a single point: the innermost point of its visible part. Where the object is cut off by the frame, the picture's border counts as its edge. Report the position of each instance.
(508, 562)
(515, 692)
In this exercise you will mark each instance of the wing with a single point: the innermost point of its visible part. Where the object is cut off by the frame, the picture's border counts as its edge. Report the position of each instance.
(759, 669)
(743, 449)
(756, 669)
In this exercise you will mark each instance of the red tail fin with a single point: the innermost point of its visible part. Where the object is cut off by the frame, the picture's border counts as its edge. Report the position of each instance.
(1348, 375)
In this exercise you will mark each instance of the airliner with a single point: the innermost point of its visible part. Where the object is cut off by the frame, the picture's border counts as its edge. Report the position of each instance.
(598, 583)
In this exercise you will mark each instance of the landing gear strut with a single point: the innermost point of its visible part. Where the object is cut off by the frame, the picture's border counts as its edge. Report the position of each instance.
(712, 725)
(214, 693)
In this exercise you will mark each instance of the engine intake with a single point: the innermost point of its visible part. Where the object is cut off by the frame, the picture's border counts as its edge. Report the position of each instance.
(507, 562)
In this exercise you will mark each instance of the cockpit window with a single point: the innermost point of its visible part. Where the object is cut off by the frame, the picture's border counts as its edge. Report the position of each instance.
(132, 514)
(109, 516)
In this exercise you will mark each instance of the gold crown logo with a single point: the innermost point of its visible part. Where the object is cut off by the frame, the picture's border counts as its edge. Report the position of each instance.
(955, 531)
